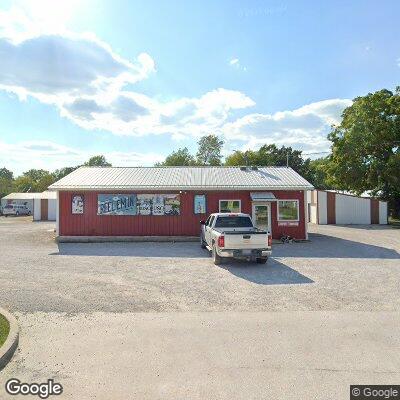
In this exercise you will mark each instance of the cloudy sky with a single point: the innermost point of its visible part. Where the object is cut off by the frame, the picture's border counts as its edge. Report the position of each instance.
(134, 80)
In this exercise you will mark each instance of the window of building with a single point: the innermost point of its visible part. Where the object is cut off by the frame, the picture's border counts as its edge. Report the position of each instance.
(230, 206)
(288, 210)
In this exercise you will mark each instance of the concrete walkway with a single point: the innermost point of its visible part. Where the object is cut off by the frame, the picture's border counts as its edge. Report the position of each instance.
(229, 355)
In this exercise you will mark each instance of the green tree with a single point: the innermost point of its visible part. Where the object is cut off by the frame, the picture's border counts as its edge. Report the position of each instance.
(6, 181)
(209, 150)
(60, 173)
(34, 180)
(366, 147)
(180, 157)
(270, 155)
(317, 174)
(240, 158)
(97, 161)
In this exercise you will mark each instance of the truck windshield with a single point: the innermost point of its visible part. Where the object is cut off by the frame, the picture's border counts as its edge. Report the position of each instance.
(233, 222)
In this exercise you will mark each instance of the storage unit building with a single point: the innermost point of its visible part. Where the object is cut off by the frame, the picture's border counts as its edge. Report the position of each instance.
(43, 206)
(171, 201)
(330, 207)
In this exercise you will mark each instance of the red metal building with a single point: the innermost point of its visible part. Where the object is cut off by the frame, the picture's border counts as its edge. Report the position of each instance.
(171, 201)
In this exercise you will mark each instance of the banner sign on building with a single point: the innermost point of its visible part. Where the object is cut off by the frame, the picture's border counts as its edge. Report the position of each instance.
(138, 204)
(116, 204)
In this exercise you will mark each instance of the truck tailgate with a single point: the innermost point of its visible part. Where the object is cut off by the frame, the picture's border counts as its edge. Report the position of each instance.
(246, 240)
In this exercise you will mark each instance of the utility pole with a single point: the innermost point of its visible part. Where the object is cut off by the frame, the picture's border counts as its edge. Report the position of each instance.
(246, 160)
(287, 160)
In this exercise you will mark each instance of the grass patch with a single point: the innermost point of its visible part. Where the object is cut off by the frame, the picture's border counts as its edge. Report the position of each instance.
(4, 329)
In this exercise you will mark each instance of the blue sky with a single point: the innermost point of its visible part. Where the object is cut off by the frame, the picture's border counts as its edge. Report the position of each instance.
(136, 80)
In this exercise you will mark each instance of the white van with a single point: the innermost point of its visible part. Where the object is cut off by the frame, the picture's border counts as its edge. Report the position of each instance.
(16, 209)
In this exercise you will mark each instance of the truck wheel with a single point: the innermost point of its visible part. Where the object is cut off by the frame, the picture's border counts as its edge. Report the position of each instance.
(261, 260)
(216, 258)
(202, 243)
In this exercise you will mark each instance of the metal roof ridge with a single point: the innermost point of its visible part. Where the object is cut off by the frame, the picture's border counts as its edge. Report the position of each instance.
(186, 166)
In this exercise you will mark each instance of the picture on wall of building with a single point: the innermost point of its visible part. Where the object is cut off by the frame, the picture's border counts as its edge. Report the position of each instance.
(77, 204)
(144, 204)
(200, 204)
(172, 204)
(158, 204)
(116, 204)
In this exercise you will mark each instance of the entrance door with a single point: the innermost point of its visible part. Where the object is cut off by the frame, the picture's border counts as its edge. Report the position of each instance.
(262, 216)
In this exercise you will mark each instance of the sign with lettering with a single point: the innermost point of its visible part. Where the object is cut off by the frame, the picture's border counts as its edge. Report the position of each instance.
(138, 204)
(116, 204)
(288, 223)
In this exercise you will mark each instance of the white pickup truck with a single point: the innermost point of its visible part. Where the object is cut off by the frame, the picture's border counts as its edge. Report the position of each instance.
(234, 235)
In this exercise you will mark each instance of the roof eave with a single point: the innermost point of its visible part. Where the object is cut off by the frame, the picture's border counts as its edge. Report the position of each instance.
(177, 188)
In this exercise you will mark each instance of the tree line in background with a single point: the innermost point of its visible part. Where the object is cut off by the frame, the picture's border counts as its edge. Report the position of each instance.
(38, 180)
(210, 153)
(365, 155)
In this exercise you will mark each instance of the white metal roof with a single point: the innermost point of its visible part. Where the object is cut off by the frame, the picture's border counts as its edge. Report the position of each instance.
(181, 178)
(30, 196)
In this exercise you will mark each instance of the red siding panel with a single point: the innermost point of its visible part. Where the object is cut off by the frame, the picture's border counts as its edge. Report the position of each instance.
(186, 224)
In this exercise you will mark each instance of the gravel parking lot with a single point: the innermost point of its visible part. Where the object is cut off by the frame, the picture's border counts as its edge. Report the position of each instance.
(353, 268)
(318, 317)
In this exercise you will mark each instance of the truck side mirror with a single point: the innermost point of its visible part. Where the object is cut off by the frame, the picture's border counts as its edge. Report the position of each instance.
(202, 222)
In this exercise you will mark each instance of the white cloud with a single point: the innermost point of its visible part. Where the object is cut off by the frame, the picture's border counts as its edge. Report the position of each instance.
(29, 18)
(235, 62)
(55, 68)
(87, 82)
(85, 79)
(22, 156)
(303, 128)
(134, 114)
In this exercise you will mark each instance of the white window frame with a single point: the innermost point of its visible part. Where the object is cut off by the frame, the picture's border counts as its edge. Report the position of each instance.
(288, 220)
(240, 204)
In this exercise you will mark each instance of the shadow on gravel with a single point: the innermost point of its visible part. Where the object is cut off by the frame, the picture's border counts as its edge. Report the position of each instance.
(320, 246)
(132, 249)
(324, 246)
(272, 273)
